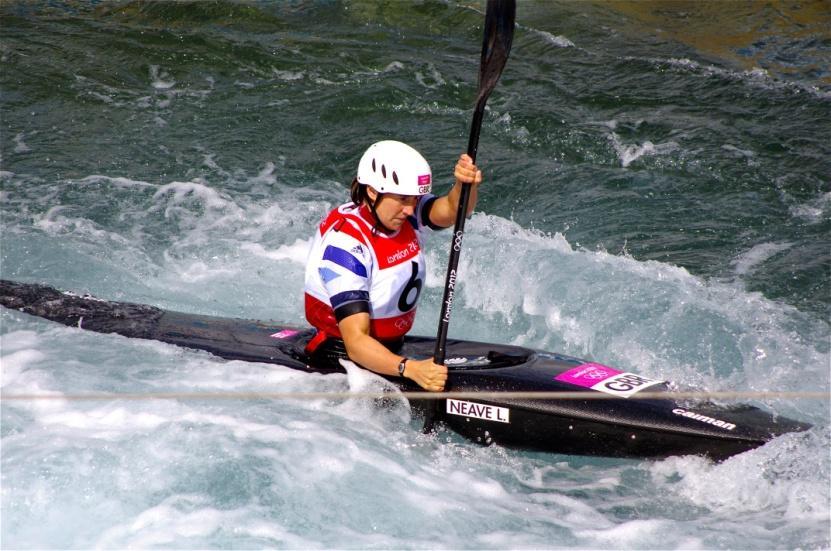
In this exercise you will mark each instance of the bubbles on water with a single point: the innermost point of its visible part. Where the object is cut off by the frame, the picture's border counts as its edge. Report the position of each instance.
(520, 134)
(429, 108)
(430, 78)
(630, 153)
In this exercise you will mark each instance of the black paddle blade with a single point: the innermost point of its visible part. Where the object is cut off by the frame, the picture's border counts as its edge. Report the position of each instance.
(496, 44)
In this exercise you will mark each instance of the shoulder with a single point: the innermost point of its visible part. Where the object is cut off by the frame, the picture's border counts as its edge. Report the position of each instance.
(342, 221)
(420, 220)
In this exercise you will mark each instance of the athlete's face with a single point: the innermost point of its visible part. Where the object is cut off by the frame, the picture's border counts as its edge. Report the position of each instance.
(393, 209)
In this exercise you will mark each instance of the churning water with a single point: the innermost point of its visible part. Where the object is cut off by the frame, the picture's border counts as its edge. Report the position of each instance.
(657, 198)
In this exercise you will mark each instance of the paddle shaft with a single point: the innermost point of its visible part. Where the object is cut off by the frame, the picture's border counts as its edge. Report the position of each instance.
(458, 235)
(497, 37)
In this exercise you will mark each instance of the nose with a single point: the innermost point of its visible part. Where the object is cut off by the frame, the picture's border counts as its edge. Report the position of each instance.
(408, 204)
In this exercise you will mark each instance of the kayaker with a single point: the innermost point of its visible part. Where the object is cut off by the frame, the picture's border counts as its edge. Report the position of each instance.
(366, 268)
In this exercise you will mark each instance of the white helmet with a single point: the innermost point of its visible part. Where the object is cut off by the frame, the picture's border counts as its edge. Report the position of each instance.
(395, 167)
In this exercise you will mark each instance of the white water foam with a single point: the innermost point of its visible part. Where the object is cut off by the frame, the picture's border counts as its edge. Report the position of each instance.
(756, 77)
(738, 151)
(160, 79)
(298, 252)
(549, 38)
(198, 190)
(520, 135)
(419, 107)
(631, 153)
(227, 469)
(15, 363)
(118, 181)
(288, 76)
(393, 66)
(191, 473)
(431, 78)
(162, 88)
(192, 518)
(226, 253)
(646, 317)
(814, 211)
(19, 145)
(784, 477)
(556, 40)
(744, 263)
(58, 220)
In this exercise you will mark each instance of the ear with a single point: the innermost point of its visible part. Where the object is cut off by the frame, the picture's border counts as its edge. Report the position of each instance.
(372, 194)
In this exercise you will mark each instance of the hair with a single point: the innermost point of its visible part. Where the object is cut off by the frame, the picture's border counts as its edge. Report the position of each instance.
(358, 193)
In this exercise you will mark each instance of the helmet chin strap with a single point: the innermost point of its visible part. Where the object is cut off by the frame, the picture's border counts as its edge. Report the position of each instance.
(372, 205)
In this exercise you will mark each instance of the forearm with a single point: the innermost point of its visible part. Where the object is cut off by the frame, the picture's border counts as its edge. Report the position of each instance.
(445, 208)
(454, 197)
(371, 354)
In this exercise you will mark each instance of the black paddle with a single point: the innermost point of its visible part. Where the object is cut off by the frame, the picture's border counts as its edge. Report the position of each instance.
(496, 45)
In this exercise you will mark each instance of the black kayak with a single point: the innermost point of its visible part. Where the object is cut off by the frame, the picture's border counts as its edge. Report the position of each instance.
(622, 424)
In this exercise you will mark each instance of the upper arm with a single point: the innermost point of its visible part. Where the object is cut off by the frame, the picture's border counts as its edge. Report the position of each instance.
(440, 216)
(433, 213)
(353, 328)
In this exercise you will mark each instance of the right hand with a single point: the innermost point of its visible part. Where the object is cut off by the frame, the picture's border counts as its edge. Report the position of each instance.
(429, 376)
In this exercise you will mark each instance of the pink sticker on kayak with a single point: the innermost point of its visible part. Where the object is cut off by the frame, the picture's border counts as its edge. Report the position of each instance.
(284, 334)
(605, 379)
(587, 375)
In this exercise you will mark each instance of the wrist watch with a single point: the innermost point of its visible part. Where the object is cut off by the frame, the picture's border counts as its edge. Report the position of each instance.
(402, 365)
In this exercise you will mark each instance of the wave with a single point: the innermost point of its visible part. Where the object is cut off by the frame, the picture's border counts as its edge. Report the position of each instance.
(756, 77)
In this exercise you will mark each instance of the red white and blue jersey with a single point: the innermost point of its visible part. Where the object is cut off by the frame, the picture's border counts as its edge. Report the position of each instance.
(352, 269)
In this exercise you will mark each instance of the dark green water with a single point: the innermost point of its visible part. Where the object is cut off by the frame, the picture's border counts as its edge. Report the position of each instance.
(658, 195)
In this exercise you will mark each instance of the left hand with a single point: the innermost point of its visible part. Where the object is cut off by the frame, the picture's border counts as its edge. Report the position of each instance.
(428, 374)
(466, 172)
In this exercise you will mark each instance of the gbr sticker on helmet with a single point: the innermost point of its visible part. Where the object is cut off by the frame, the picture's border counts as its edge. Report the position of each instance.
(605, 379)
(424, 183)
